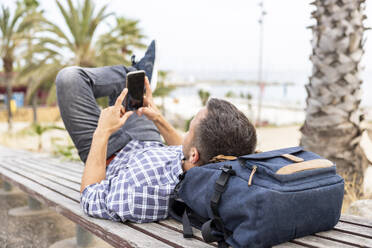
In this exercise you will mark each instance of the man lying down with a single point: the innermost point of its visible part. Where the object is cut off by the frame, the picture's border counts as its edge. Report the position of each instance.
(129, 173)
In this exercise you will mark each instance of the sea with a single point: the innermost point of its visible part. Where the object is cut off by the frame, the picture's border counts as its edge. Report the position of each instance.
(283, 97)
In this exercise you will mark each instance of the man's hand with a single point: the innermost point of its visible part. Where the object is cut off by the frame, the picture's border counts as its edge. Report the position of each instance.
(149, 108)
(113, 117)
(110, 120)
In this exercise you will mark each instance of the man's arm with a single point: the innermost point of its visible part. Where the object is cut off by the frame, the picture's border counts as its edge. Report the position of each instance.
(110, 120)
(169, 133)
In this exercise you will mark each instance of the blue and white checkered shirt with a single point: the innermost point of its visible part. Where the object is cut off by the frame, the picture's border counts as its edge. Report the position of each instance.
(138, 183)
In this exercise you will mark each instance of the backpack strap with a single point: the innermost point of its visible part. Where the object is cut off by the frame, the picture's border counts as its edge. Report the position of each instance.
(187, 229)
(210, 227)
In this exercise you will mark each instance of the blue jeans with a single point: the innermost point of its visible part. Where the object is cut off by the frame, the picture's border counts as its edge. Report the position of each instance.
(77, 89)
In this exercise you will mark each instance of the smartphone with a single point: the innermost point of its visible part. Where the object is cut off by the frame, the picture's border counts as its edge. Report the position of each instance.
(136, 90)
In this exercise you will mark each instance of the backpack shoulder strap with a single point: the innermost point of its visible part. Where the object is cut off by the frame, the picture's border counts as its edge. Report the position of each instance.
(210, 227)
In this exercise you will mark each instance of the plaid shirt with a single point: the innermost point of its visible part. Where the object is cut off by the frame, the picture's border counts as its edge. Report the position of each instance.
(138, 183)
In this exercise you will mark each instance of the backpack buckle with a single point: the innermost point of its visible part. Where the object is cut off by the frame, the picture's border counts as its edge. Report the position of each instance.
(228, 169)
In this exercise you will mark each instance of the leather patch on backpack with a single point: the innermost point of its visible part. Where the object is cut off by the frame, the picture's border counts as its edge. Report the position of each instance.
(220, 158)
(306, 165)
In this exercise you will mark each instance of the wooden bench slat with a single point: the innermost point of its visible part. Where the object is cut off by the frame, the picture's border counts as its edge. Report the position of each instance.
(161, 231)
(177, 225)
(115, 233)
(57, 172)
(357, 220)
(354, 229)
(68, 193)
(289, 245)
(320, 242)
(6, 153)
(76, 167)
(30, 168)
(346, 237)
(45, 164)
(329, 234)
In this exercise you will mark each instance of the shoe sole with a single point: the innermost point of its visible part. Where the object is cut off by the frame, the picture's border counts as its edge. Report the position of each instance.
(154, 76)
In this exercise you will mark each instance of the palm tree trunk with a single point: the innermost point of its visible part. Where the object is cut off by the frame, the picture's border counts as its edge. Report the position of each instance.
(8, 69)
(333, 117)
(34, 107)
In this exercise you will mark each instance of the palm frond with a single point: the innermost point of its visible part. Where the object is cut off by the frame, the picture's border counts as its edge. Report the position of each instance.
(101, 15)
(19, 12)
(86, 16)
(44, 76)
(53, 28)
(74, 22)
(68, 19)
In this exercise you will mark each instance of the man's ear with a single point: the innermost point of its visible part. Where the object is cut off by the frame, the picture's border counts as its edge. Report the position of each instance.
(194, 156)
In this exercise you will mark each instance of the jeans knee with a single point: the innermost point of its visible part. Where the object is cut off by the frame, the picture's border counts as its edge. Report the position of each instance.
(67, 76)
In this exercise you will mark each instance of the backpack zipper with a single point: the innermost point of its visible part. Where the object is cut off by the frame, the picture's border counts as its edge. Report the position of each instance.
(254, 169)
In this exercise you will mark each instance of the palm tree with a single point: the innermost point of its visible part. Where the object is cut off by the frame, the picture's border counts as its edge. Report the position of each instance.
(82, 22)
(115, 46)
(13, 28)
(163, 90)
(332, 127)
(32, 9)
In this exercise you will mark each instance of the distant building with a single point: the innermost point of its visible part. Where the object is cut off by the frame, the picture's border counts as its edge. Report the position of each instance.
(19, 92)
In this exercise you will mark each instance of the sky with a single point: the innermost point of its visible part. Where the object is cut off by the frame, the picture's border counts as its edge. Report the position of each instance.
(222, 37)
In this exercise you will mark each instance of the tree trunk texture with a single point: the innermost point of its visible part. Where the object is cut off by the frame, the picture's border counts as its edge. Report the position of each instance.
(34, 107)
(8, 69)
(332, 126)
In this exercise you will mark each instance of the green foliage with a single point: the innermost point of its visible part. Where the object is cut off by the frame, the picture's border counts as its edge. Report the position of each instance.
(47, 55)
(103, 101)
(249, 96)
(230, 94)
(30, 3)
(187, 124)
(38, 130)
(116, 46)
(67, 152)
(162, 89)
(14, 29)
(204, 96)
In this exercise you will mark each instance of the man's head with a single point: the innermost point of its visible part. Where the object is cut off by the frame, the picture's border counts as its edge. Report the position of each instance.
(218, 128)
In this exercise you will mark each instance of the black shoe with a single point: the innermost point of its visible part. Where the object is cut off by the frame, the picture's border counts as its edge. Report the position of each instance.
(148, 64)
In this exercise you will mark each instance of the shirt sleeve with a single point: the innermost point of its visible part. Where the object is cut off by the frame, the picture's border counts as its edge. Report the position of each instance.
(118, 200)
(93, 201)
(147, 203)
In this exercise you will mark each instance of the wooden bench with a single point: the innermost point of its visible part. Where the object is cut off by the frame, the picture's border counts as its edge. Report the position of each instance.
(57, 184)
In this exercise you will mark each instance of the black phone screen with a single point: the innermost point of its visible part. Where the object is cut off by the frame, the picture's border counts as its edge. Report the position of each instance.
(135, 85)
